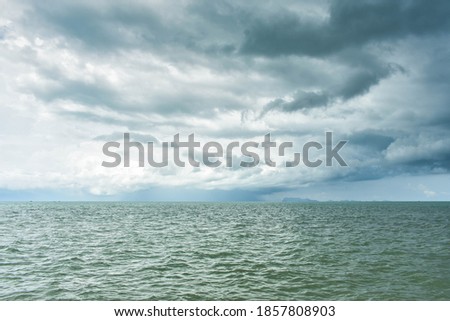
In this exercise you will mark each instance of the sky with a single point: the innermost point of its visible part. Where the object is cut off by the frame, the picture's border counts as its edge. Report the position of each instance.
(77, 74)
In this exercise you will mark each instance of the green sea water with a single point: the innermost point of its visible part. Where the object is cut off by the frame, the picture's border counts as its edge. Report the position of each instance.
(224, 251)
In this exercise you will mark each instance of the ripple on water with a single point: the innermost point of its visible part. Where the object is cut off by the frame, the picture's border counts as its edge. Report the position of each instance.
(232, 251)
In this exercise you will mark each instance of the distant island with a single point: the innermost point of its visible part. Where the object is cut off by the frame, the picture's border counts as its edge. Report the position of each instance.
(298, 200)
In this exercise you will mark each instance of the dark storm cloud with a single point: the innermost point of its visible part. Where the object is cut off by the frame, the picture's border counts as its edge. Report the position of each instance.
(437, 82)
(214, 30)
(351, 23)
(361, 81)
(355, 83)
(343, 36)
(218, 28)
(302, 99)
(371, 140)
(427, 165)
(114, 27)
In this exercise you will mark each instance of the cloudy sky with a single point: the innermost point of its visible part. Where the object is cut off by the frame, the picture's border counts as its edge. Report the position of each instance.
(77, 74)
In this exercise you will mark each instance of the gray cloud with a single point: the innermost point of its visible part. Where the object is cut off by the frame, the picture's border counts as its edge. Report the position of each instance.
(373, 72)
(355, 83)
(343, 36)
(80, 92)
(350, 24)
(373, 141)
(302, 99)
(102, 27)
(140, 26)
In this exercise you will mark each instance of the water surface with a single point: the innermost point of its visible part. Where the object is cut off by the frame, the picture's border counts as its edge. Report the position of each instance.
(224, 251)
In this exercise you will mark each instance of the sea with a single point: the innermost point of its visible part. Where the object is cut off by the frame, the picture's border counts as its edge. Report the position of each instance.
(224, 251)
